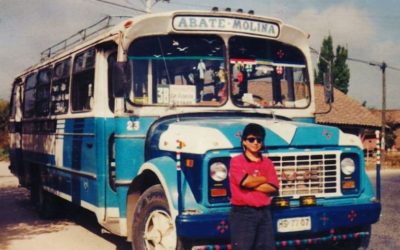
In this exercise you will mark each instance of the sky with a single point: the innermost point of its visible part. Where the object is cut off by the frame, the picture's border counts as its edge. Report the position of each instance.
(368, 28)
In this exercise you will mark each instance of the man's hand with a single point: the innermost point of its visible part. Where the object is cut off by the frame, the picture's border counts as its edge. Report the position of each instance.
(266, 188)
(253, 181)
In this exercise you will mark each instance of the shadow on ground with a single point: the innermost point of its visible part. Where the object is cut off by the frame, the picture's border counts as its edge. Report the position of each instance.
(19, 220)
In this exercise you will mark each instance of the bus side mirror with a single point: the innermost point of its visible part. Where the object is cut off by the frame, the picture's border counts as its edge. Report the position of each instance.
(120, 79)
(328, 88)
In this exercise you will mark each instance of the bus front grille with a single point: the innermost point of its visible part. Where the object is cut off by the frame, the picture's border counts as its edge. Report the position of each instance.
(307, 173)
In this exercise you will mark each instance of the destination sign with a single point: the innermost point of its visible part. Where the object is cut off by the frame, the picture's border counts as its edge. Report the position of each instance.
(211, 23)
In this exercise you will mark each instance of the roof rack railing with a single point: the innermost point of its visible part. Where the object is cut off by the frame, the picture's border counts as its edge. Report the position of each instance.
(80, 36)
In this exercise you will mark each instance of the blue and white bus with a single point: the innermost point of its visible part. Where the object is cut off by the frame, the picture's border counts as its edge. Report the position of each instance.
(137, 123)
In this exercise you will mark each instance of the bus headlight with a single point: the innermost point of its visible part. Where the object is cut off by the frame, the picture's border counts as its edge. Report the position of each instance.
(348, 166)
(218, 171)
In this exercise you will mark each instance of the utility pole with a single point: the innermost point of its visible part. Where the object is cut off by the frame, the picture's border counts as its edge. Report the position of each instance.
(383, 67)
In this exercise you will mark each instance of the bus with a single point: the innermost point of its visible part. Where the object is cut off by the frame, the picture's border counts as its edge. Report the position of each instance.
(137, 123)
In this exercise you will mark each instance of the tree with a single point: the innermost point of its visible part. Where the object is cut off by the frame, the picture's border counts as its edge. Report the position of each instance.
(390, 136)
(4, 107)
(326, 53)
(340, 69)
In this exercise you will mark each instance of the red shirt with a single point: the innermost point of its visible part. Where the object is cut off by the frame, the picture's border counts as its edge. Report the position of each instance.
(240, 168)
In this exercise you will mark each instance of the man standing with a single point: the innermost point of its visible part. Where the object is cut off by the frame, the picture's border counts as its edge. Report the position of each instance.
(252, 180)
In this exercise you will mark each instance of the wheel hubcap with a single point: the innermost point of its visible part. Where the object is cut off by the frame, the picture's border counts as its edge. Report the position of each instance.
(160, 233)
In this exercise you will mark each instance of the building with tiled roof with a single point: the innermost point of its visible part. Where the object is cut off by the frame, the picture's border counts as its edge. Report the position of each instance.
(347, 114)
(392, 115)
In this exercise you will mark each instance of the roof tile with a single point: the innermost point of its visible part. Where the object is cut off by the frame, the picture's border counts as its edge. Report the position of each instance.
(345, 110)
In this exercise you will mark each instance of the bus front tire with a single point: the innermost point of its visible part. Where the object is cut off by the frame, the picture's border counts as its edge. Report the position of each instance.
(153, 227)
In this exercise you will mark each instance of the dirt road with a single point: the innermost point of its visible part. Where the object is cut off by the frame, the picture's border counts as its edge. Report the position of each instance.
(21, 228)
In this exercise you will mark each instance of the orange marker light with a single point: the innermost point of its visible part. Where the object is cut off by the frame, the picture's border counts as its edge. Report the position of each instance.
(348, 184)
(218, 192)
(128, 24)
(189, 163)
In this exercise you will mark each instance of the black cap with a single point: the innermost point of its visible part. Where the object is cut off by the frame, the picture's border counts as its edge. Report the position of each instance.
(253, 129)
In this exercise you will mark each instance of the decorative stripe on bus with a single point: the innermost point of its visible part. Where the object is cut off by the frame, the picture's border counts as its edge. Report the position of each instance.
(130, 136)
(72, 171)
(77, 134)
(111, 211)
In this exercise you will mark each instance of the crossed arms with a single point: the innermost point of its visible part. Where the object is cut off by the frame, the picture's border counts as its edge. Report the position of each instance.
(258, 183)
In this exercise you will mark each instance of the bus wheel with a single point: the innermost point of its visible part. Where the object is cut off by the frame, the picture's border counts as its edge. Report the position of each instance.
(153, 227)
(45, 203)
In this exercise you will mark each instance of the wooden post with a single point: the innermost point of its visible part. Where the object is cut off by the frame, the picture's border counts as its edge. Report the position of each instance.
(378, 165)
(383, 118)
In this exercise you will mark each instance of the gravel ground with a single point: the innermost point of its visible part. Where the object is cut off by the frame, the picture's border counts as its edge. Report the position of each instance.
(21, 228)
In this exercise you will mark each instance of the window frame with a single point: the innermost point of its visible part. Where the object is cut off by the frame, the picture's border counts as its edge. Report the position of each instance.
(56, 90)
(15, 99)
(83, 75)
(166, 74)
(283, 57)
(29, 87)
(43, 86)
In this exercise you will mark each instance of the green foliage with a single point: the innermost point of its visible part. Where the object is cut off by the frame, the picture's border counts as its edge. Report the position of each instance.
(341, 72)
(390, 136)
(326, 52)
(4, 109)
(340, 69)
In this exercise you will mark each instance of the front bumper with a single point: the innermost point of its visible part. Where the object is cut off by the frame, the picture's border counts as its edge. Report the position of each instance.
(325, 222)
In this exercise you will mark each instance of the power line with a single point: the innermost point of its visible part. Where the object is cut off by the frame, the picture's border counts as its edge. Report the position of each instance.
(382, 66)
(394, 68)
(121, 6)
(371, 63)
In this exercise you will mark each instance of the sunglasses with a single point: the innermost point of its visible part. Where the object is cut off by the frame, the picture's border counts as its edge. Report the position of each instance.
(253, 139)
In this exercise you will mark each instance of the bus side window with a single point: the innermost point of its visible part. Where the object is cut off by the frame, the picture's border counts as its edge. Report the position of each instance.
(29, 96)
(60, 87)
(15, 103)
(42, 102)
(83, 81)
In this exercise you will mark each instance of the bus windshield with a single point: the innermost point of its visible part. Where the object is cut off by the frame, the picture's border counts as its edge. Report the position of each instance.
(178, 70)
(190, 70)
(267, 73)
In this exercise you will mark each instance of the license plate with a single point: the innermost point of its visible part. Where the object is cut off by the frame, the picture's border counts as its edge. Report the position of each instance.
(294, 224)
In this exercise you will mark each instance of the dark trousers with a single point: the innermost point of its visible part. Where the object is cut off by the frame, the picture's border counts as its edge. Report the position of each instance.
(251, 228)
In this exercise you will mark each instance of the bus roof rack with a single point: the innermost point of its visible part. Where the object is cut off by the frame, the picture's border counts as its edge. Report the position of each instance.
(80, 36)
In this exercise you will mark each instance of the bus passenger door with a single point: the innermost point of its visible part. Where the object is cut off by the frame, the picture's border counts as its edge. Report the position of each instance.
(81, 132)
(111, 199)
